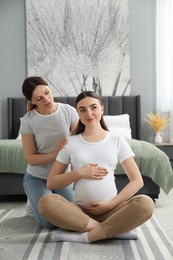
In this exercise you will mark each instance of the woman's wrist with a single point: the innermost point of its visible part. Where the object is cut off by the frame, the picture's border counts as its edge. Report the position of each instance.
(110, 205)
(113, 202)
(76, 173)
(52, 156)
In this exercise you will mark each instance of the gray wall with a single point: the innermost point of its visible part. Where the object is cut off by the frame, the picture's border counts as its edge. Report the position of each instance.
(12, 55)
(143, 58)
(142, 53)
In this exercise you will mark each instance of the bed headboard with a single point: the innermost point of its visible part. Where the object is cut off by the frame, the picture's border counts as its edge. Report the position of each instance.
(113, 105)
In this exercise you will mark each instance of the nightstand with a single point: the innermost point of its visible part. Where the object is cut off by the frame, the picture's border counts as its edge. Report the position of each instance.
(168, 149)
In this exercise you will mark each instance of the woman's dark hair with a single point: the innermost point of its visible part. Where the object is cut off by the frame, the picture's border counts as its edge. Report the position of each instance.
(30, 84)
(82, 95)
(28, 87)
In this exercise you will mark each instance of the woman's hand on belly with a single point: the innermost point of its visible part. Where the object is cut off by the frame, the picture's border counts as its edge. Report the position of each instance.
(97, 208)
(92, 171)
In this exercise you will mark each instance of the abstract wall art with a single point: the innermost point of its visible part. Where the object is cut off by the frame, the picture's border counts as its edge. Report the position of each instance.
(79, 45)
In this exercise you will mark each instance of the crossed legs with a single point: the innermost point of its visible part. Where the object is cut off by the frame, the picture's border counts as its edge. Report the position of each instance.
(68, 216)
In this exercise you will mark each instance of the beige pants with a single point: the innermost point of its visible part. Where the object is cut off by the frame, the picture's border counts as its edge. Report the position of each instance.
(125, 217)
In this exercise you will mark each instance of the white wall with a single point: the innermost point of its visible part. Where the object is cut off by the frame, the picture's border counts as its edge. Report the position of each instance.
(142, 54)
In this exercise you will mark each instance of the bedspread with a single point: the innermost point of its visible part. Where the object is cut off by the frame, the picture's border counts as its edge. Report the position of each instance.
(152, 163)
(12, 158)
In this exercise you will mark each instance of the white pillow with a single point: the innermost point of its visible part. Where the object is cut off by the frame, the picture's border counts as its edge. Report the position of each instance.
(119, 125)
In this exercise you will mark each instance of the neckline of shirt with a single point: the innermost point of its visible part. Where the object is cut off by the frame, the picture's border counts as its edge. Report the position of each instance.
(59, 104)
(96, 142)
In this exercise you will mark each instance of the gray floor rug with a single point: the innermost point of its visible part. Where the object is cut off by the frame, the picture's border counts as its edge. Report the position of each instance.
(21, 239)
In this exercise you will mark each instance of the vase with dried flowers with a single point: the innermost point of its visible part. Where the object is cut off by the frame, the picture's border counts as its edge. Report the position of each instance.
(158, 122)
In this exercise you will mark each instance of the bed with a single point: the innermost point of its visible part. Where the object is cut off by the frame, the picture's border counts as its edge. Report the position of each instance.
(153, 163)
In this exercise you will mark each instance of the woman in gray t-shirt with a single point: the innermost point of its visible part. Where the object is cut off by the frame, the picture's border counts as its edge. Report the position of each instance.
(43, 129)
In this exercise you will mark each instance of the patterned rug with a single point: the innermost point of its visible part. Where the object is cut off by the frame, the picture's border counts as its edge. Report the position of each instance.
(21, 239)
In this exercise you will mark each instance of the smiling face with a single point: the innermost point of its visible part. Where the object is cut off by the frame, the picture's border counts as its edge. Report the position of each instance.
(42, 98)
(90, 111)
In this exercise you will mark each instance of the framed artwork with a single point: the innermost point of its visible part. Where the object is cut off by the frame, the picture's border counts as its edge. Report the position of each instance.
(79, 45)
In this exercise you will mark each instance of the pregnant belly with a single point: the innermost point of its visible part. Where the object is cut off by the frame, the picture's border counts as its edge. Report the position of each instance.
(94, 190)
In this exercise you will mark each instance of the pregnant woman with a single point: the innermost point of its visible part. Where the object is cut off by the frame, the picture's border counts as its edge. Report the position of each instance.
(98, 212)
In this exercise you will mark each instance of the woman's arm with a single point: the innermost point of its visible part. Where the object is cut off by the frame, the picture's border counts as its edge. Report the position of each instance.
(135, 181)
(34, 158)
(58, 178)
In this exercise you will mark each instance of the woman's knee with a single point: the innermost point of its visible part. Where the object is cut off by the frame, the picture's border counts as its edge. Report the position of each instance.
(46, 202)
(145, 205)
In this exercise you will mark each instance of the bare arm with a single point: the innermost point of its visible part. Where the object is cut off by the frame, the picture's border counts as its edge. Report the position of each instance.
(135, 182)
(58, 178)
(34, 158)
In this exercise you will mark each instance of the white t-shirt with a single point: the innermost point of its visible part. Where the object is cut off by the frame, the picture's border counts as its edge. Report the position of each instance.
(106, 153)
(47, 130)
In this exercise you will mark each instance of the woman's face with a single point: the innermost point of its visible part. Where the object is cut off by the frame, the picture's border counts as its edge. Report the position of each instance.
(42, 97)
(89, 110)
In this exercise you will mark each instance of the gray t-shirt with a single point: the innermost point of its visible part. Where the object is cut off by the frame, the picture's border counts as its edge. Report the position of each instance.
(47, 130)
